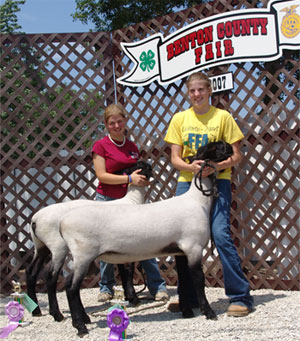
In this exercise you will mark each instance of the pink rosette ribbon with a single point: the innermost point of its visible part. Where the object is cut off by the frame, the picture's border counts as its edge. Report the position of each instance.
(15, 312)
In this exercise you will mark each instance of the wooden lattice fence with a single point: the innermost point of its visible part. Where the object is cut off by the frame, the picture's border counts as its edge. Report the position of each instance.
(53, 91)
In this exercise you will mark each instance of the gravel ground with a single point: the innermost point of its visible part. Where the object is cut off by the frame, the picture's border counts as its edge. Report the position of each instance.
(276, 316)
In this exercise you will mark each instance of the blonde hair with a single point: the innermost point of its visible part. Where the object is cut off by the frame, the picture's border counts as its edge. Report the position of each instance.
(198, 76)
(112, 110)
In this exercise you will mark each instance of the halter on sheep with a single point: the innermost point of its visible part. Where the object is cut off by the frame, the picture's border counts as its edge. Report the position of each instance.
(177, 226)
(48, 241)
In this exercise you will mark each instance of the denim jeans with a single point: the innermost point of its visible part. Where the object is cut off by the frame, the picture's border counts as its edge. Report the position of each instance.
(236, 285)
(154, 282)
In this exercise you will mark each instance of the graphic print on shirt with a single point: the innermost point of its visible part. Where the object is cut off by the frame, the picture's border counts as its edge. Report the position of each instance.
(192, 141)
(134, 155)
(196, 140)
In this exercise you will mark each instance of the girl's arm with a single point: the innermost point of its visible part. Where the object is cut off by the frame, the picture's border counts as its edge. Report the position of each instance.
(114, 179)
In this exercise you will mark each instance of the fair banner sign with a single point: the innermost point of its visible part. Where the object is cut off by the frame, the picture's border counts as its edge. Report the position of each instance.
(237, 36)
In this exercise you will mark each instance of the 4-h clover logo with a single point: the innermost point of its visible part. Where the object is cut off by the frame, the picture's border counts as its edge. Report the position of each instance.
(147, 60)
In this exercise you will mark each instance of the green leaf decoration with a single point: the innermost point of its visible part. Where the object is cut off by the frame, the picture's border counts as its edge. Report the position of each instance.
(147, 60)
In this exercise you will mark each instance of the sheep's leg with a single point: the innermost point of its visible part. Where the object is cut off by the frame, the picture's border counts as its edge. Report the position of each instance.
(199, 285)
(127, 283)
(51, 280)
(32, 272)
(183, 292)
(79, 317)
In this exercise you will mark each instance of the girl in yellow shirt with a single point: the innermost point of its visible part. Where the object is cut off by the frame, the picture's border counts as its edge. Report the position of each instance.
(188, 130)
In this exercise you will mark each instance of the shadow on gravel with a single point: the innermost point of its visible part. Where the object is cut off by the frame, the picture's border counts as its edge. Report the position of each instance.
(221, 305)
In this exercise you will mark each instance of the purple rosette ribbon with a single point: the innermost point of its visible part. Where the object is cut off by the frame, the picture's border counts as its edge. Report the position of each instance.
(117, 321)
(15, 312)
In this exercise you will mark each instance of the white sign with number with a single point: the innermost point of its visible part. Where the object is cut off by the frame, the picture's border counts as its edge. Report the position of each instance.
(222, 82)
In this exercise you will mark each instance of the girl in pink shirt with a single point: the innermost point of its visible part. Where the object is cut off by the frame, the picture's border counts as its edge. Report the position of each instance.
(113, 153)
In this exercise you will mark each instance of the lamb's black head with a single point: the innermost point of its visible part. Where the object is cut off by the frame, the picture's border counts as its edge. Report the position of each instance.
(213, 151)
(146, 169)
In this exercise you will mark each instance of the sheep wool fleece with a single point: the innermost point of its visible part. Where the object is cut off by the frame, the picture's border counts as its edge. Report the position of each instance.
(192, 131)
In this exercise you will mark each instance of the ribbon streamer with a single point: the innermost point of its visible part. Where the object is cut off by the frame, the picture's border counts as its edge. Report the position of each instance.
(15, 312)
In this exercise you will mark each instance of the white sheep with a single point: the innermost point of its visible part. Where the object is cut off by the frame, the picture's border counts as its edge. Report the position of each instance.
(48, 241)
(120, 234)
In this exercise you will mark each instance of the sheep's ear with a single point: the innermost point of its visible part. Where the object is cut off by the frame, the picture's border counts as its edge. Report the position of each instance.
(229, 149)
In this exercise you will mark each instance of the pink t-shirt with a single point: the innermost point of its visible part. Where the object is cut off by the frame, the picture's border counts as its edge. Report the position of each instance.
(116, 158)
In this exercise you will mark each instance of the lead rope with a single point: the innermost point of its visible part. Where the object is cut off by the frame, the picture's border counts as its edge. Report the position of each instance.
(211, 191)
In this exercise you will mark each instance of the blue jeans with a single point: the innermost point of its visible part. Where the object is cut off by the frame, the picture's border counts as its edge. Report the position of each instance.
(237, 287)
(154, 283)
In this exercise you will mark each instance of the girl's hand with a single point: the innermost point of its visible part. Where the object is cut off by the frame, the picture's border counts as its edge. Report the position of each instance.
(139, 179)
(206, 171)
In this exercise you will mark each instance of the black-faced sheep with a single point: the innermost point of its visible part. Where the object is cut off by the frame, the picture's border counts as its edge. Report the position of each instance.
(48, 241)
(128, 233)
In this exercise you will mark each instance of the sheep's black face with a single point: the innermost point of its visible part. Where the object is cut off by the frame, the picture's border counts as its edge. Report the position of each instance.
(214, 151)
(146, 169)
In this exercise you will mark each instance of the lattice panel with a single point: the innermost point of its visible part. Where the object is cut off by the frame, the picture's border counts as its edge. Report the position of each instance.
(267, 196)
(53, 90)
(264, 102)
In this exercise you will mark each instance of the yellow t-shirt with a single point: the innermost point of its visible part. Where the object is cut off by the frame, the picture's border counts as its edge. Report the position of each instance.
(192, 131)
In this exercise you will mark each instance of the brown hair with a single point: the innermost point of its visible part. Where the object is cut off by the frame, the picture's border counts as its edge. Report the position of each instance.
(198, 76)
(114, 109)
